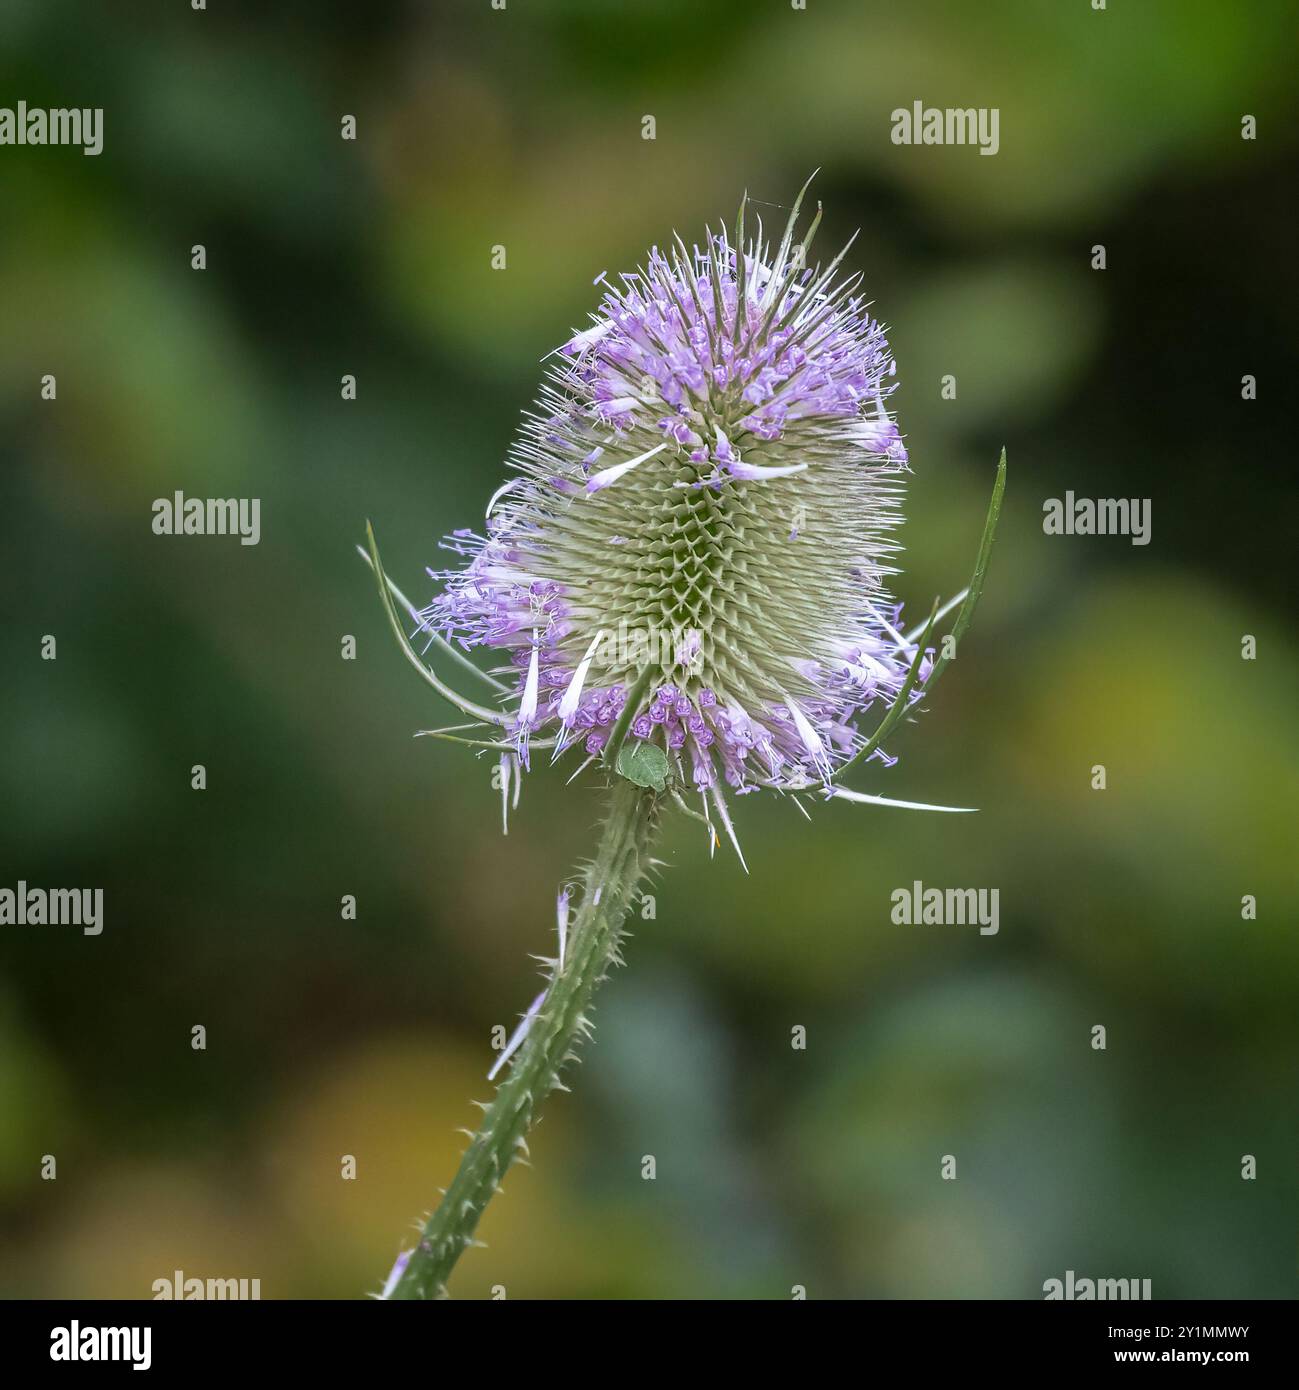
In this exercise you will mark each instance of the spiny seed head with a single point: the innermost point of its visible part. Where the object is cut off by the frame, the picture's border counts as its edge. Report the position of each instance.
(706, 488)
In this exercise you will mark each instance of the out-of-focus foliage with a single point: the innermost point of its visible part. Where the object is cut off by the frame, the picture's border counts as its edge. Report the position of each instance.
(328, 1037)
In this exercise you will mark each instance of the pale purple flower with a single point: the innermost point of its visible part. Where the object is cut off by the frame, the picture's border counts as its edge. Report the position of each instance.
(712, 465)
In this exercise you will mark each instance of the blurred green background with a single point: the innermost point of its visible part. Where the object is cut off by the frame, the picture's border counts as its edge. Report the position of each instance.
(327, 1037)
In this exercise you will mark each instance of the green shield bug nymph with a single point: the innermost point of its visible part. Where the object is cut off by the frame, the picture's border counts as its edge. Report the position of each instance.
(645, 764)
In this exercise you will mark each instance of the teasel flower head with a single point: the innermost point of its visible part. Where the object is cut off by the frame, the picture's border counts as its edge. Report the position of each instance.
(696, 542)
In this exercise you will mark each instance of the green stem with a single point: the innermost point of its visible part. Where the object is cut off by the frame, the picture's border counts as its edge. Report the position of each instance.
(560, 1025)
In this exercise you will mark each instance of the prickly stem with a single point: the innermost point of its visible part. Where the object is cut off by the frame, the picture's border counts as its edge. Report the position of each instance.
(560, 1024)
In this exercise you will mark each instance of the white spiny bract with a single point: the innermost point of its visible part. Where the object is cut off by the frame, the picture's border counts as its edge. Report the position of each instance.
(708, 484)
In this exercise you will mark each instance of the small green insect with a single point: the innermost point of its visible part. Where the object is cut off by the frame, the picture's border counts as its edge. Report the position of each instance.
(645, 764)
